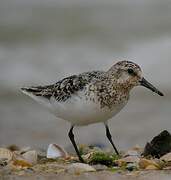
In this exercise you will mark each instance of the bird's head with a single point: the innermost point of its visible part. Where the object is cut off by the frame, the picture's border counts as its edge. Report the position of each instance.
(129, 75)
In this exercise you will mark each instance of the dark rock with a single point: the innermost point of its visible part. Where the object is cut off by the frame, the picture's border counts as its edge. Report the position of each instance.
(159, 145)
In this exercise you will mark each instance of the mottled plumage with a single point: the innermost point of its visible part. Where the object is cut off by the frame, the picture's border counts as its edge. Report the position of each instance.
(91, 97)
(63, 89)
(102, 86)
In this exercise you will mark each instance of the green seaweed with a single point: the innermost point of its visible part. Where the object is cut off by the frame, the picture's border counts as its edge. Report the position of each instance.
(103, 158)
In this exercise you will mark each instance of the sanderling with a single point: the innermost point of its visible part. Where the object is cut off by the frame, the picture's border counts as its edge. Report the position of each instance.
(91, 97)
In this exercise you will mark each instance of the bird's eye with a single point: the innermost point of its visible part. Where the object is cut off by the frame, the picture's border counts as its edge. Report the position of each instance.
(130, 71)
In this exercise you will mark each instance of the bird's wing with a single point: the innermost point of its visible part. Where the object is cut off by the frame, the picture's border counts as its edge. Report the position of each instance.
(64, 88)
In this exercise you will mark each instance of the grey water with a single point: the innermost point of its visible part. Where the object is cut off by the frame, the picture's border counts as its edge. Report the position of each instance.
(43, 41)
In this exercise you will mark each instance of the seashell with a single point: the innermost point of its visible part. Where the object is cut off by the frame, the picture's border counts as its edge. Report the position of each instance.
(120, 162)
(135, 151)
(78, 168)
(144, 163)
(5, 155)
(138, 149)
(132, 153)
(21, 163)
(128, 159)
(88, 156)
(151, 167)
(166, 157)
(24, 149)
(131, 159)
(30, 156)
(56, 151)
(167, 168)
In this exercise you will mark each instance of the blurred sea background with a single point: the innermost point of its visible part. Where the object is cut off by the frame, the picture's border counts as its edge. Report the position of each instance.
(42, 41)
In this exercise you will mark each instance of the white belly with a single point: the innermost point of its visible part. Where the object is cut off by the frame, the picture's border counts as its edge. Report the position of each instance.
(79, 111)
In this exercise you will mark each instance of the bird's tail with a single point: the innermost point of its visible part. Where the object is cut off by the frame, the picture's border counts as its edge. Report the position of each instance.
(36, 91)
(39, 94)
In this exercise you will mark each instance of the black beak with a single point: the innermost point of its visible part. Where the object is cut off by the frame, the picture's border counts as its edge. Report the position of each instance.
(146, 84)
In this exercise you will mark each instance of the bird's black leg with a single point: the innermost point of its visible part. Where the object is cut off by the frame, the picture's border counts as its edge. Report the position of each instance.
(71, 136)
(109, 136)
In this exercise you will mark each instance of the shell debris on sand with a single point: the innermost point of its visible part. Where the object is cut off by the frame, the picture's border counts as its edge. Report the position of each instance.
(30, 156)
(131, 156)
(28, 160)
(78, 168)
(129, 159)
(20, 164)
(14, 159)
(148, 164)
(55, 151)
(151, 167)
(166, 157)
(5, 155)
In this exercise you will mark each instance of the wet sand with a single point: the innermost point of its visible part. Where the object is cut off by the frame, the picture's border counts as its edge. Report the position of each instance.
(146, 175)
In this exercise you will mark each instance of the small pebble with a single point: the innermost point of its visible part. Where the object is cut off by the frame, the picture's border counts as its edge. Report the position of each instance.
(131, 166)
(78, 168)
(100, 167)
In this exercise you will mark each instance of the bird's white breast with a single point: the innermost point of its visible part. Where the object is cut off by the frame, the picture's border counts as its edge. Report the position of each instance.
(81, 111)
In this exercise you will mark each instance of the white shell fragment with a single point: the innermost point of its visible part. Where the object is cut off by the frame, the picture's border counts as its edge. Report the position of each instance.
(56, 151)
(30, 156)
(77, 168)
(166, 157)
(5, 155)
(131, 159)
(25, 149)
(131, 153)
